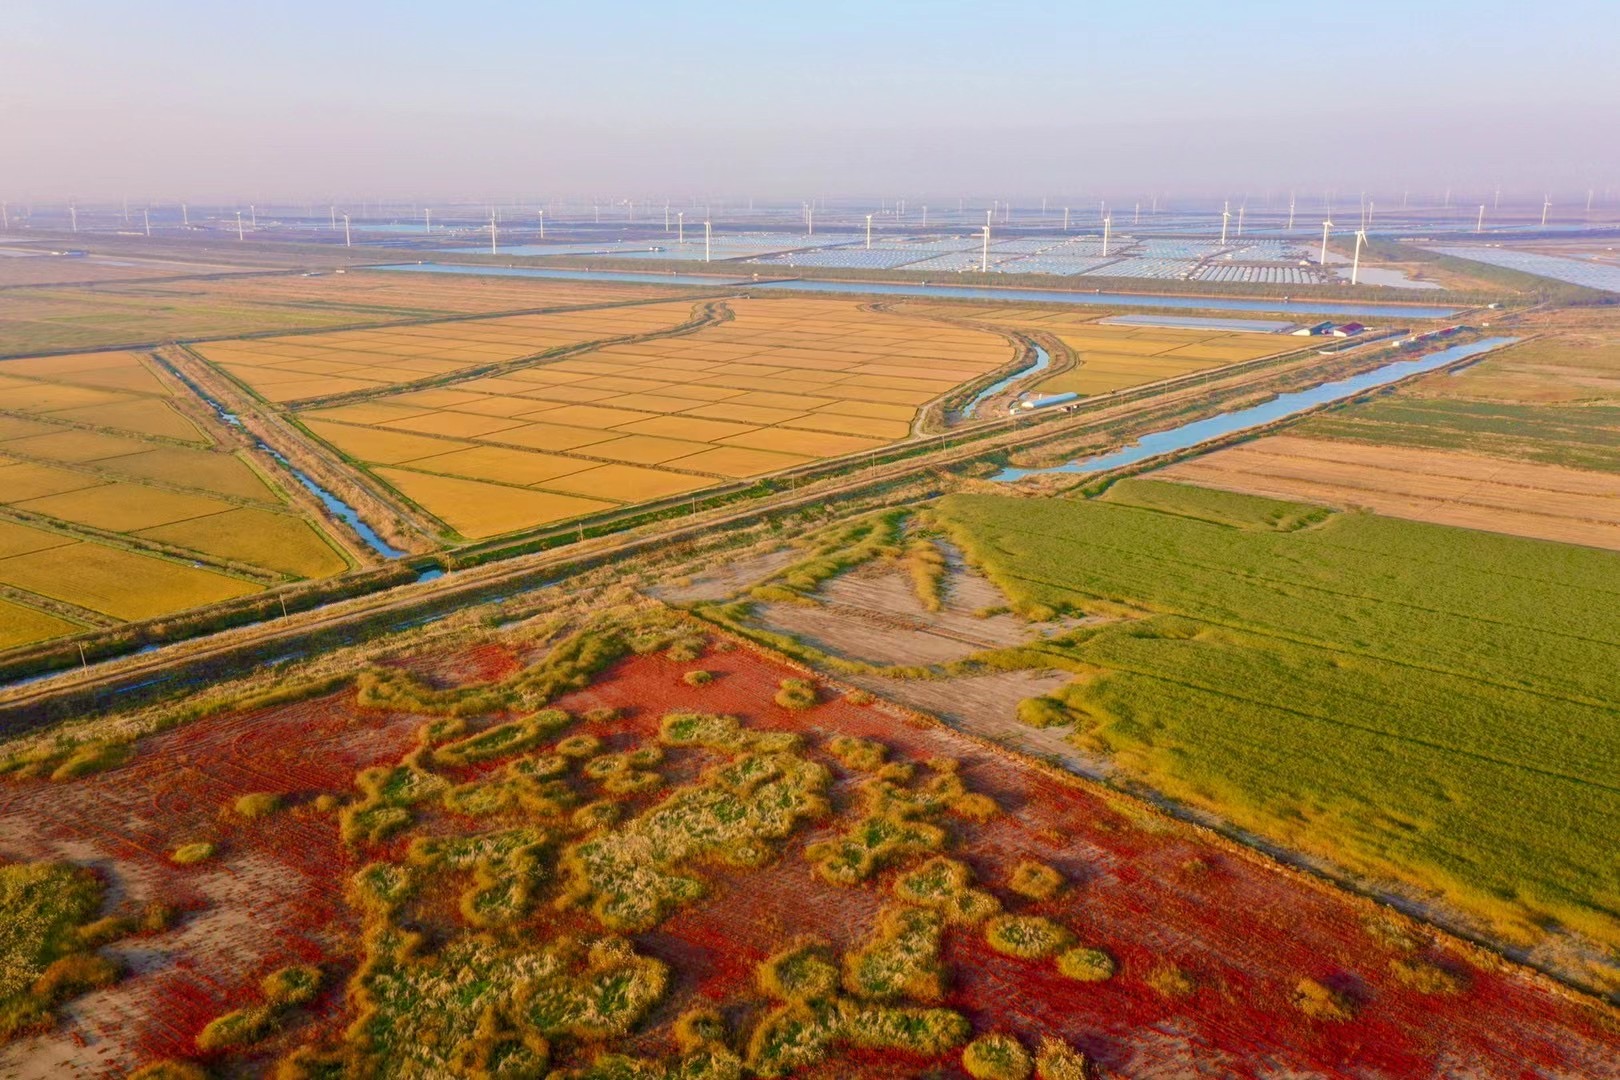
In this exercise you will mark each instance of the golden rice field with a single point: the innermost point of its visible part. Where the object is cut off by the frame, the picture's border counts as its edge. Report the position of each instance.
(780, 384)
(114, 505)
(298, 367)
(1119, 357)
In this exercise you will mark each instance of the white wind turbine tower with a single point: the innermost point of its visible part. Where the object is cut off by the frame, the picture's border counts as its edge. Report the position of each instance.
(1369, 213)
(1108, 225)
(5, 216)
(810, 219)
(1065, 219)
(332, 212)
(984, 259)
(1355, 264)
(869, 232)
(680, 224)
(146, 216)
(1546, 205)
(73, 213)
(427, 220)
(493, 250)
(1226, 214)
(1479, 226)
(542, 214)
(1290, 211)
(254, 212)
(925, 216)
(239, 235)
(348, 240)
(185, 215)
(1138, 219)
(1240, 219)
(707, 236)
(1326, 227)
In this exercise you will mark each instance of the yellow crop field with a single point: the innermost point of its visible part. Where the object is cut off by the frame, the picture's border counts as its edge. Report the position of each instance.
(477, 509)
(116, 582)
(779, 384)
(20, 480)
(208, 470)
(121, 507)
(318, 365)
(73, 445)
(19, 539)
(21, 625)
(257, 537)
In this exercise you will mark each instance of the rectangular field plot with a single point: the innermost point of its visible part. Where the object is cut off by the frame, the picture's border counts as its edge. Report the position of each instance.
(476, 509)
(280, 542)
(116, 582)
(306, 366)
(779, 384)
(23, 625)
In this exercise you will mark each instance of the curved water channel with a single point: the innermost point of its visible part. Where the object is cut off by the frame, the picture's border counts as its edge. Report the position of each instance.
(1282, 406)
(1305, 306)
(1042, 362)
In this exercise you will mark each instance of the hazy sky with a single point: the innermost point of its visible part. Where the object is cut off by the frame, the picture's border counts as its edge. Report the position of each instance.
(102, 98)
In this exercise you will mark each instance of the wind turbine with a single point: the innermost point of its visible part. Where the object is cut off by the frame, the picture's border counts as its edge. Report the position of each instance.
(1240, 219)
(810, 219)
(925, 214)
(1369, 213)
(427, 220)
(1226, 214)
(73, 213)
(239, 235)
(984, 259)
(1479, 226)
(1290, 211)
(1355, 265)
(1108, 225)
(146, 216)
(332, 210)
(680, 222)
(542, 214)
(493, 250)
(1546, 205)
(869, 232)
(706, 238)
(254, 211)
(1065, 219)
(1138, 220)
(185, 215)
(666, 217)
(348, 240)
(5, 216)
(1326, 226)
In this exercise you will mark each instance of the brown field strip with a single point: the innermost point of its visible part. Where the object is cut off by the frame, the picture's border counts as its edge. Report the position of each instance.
(1547, 502)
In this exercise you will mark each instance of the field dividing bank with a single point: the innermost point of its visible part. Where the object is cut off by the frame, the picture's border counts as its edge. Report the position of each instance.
(615, 534)
(1546, 502)
(771, 386)
(1431, 709)
(854, 890)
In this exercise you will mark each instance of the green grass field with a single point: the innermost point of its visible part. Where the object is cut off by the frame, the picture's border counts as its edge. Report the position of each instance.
(1432, 704)
(1577, 436)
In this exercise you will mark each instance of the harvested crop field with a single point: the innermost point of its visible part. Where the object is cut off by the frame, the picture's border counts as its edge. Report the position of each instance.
(1179, 955)
(777, 384)
(1545, 502)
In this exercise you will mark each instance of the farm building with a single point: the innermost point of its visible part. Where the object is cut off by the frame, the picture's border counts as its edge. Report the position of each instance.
(1316, 330)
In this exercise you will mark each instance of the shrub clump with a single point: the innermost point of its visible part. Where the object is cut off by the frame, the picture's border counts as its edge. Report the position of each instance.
(189, 854)
(44, 910)
(864, 754)
(1035, 880)
(240, 1027)
(1170, 981)
(946, 886)
(901, 959)
(1087, 964)
(257, 805)
(1029, 937)
(796, 694)
(997, 1057)
(292, 985)
(698, 678)
(1427, 978)
(1321, 1002)
(1057, 1060)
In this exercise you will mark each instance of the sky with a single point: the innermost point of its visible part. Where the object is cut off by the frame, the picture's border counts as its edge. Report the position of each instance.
(779, 99)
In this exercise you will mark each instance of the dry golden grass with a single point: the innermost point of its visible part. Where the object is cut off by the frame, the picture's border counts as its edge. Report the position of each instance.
(22, 480)
(17, 539)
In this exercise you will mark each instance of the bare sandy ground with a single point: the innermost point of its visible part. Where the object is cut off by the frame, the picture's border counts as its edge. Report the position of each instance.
(1545, 502)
